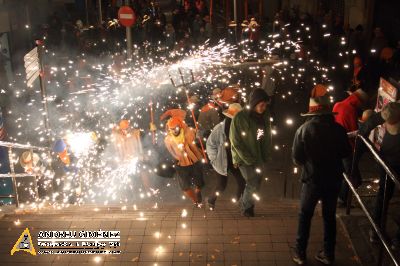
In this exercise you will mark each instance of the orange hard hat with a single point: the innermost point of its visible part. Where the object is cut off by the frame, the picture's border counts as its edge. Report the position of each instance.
(124, 124)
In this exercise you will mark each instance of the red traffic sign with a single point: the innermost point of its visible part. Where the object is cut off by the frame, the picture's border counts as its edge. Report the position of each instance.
(126, 16)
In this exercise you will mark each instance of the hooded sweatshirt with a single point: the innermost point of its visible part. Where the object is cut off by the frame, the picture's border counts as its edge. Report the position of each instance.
(250, 133)
(347, 112)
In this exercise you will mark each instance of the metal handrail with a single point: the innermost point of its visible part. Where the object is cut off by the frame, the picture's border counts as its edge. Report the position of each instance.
(387, 169)
(22, 146)
(17, 175)
(379, 229)
(371, 220)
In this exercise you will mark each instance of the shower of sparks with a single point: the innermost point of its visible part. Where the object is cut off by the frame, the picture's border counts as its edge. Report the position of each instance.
(87, 96)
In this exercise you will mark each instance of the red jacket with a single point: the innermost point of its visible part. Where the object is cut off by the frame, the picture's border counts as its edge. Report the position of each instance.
(347, 113)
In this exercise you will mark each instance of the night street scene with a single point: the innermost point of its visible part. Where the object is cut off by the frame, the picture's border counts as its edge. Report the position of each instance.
(200, 132)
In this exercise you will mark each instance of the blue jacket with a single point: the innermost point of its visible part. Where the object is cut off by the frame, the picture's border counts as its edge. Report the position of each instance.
(216, 149)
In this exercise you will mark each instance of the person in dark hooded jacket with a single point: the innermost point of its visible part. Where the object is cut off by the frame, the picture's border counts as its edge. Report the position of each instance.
(250, 135)
(319, 146)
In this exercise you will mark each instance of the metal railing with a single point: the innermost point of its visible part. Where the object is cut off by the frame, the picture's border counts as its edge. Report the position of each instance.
(380, 228)
(14, 175)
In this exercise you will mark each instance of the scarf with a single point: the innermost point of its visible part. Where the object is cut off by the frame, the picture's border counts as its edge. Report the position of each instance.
(180, 139)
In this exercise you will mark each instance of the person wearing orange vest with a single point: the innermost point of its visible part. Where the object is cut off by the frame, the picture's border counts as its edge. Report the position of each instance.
(66, 178)
(126, 141)
(128, 145)
(180, 142)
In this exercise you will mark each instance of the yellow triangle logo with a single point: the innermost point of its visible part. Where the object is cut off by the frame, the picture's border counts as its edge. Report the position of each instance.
(24, 243)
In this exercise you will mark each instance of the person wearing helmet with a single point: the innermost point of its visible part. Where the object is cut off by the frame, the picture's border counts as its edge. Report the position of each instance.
(128, 146)
(180, 142)
(65, 180)
(126, 141)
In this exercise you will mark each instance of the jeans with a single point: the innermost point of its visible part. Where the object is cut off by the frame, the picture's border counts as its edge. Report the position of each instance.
(310, 195)
(253, 183)
(222, 181)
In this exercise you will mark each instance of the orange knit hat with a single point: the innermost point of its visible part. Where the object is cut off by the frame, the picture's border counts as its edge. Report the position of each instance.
(175, 122)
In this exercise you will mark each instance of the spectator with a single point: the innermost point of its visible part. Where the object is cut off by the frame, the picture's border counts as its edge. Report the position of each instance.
(245, 31)
(201, 8)
(378, 42)
(349, 109)
(356, 40)
(208, 28)
(396, 56)
(390, 153)
(197, 24)
(347, 113)
(232, 32)
(386, 66)
(169, 36)
(254, 30)
(319, 146)
(220, 155)
(358, 74)
(250, 134)
(176, 18)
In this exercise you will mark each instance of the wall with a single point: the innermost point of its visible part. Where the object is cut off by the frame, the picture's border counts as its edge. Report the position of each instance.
(355, 13)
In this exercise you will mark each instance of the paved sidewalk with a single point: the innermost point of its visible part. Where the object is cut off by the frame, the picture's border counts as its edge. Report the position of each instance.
(163, 237)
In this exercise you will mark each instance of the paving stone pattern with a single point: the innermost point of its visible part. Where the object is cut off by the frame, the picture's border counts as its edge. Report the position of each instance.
(221, 237)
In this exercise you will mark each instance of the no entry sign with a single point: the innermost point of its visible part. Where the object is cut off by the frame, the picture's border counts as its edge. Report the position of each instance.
(126, 16)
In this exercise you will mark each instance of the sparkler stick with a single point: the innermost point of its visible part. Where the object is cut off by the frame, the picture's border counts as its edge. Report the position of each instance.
(152, 122)
(43, 91)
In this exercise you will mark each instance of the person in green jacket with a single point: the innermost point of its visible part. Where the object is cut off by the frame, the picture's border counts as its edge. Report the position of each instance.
(250, 135)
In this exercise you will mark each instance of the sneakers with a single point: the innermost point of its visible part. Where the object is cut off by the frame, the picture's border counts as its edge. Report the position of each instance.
(197, 193)
(321, 257)
(298, 257)
(249, 212)
(210, 206)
